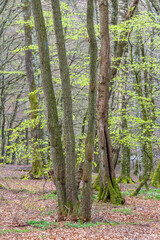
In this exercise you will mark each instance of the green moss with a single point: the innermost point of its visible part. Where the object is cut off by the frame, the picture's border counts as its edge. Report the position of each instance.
(96, 184)
(125, 180)
(156, 177)
(36, 170)
(112, 192)
(136, 169)
(1, 186)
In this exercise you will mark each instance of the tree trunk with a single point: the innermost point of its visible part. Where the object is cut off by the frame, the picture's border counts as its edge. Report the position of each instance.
(3, 120)
(89, 142)
(121, 43)
(110, 189)
(36, 169)
(114, 19)
(71, 191)
(10, 131)
(125, 150)
(156, 176)
(125, 176)
(50, 101)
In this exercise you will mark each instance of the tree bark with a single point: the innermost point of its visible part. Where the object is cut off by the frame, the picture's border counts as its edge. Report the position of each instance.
(109, 187)
(71, 191)
(125, 150)
(50, 101)
(121, 43)
(89, 142)
(36, 169)
(156, 176)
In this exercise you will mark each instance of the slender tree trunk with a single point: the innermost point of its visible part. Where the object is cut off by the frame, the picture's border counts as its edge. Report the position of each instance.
(89, 142)
(114, 19)
(71, 191)
(156, 5)
(36, 169)
(50, 101)
(120, 8)
(156, 176)
(121, 43)
(125, 176)
(9, 132)
(145, 163)
(110, 189)
(125, 150)
(79, 172)
(3, 119)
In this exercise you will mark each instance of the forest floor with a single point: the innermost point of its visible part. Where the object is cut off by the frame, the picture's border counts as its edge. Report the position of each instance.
(28, 211)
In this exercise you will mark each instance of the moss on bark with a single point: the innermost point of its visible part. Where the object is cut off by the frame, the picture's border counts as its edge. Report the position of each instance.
(125, 180)
(156, 176)
(1, 186)
(111, 192)
(96, 183)
(144, 182)
(36, 169)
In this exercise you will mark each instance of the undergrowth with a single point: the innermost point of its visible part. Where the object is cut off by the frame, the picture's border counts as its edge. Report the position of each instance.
(152, 193)
(41, 224)
(14, 231)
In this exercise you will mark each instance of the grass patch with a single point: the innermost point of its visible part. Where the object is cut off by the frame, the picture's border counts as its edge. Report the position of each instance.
(123, 210)
(41, 224)
(50, 196)
(50, 213)
(128, 192)
(83, 225)
(80, 224)
(152, 193)
(14, 231)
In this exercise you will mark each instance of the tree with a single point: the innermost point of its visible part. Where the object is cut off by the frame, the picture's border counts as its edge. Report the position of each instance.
(90, 139)
(108, 185)
(122, 98)
(156, 176)
(71, 191)
(11, 86)
(36, 169)
(50, 101)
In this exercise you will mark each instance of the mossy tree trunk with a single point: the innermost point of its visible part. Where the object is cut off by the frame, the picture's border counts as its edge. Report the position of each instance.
(109, 188)
(71, 190)
(79, 168)
(156, 176)
(50, 101)
(89, 142)
(36, 169)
